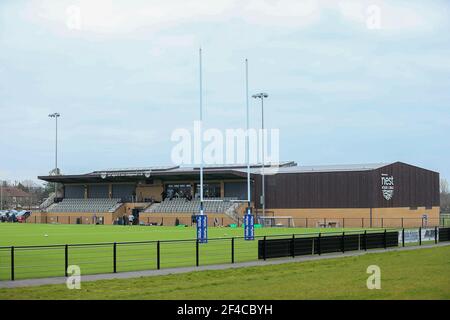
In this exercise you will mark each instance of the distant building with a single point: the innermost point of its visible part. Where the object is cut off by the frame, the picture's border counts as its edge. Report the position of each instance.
(16, 198)
(366, 195)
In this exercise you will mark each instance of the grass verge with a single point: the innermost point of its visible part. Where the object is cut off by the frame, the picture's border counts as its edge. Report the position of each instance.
(415, 274)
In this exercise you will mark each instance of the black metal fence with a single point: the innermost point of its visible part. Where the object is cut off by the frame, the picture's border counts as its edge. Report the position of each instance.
(307, 222)
(22, 262)
(277, 248)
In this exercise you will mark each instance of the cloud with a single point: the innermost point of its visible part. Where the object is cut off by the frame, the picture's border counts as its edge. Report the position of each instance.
(396, 16)
(130, 75)
(108, 18)
(121, 17)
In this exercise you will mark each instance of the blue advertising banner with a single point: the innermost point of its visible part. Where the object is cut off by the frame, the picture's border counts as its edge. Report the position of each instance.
(202, 228)
(249, 230)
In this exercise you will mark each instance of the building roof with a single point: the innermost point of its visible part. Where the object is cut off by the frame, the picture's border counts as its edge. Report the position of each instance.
(14, 192)
(219, 171)
(325, 168)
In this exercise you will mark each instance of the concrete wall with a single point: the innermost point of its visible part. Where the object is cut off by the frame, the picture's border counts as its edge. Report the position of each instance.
(359, 217)
(169, 219)
(349, 217)
(69, 217)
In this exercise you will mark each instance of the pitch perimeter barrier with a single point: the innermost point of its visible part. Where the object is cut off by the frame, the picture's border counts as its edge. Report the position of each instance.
(444, 234)
(277, 248)
(25, 262)
(306, 222)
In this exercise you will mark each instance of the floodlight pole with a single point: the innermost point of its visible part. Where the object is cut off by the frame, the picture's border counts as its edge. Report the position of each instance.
(262, 96)
(56, 115)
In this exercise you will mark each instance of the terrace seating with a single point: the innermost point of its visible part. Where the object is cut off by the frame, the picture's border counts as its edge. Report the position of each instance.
(85, 205)
(181, 205)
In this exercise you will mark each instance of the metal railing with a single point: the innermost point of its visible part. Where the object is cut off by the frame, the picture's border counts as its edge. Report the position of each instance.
(22, 262)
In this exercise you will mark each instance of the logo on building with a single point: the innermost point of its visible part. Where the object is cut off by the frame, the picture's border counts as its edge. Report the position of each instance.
(387, 186)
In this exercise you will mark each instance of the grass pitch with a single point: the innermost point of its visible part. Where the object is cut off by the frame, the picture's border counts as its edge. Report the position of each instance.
(50, 262)
(415, 274)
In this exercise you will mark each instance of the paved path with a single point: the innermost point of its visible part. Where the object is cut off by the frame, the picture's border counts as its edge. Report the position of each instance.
(151, 273)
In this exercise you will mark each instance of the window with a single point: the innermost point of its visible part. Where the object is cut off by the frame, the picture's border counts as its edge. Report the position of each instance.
(210, 190)
(178, 190)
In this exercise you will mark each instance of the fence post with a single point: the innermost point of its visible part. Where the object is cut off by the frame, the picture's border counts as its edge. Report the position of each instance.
(293, 246)
(319, 251)
(66, 259)
(420, 236)
(115, 257)
(12, 263)
(232, 250)
(306, 222)
(382, 222)
(264, 249)
(403, 237)
(197, 260)
(362, 222)
(385, 238)
(435, 235)
(343, 222)
(158, 255)
(343, 242)
(365, 240)
(359, 241)
(402, 223)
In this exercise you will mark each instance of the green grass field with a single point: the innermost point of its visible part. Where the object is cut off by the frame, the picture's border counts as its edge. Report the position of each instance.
(416, 274)
(49, 262)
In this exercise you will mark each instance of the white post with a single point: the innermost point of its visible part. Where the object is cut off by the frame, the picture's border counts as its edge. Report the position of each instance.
(247, 139)
(263, 162)
(201, 134)
(1, 194)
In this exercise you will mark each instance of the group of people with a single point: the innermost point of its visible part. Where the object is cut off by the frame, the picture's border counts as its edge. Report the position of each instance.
(175, 193)
(125, 220)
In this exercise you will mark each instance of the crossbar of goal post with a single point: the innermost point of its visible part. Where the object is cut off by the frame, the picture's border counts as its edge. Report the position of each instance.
(233, 201)
(273, 221)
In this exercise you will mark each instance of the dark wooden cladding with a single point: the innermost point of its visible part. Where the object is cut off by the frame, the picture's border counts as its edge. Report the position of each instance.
(413, 187)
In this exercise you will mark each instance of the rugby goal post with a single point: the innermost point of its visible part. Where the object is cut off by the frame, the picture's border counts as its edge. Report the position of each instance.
(277, 221)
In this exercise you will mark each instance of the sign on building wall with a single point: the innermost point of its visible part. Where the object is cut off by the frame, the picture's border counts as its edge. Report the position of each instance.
(387, 186)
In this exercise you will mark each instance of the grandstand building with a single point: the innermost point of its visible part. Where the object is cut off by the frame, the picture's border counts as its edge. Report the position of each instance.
(389, 195)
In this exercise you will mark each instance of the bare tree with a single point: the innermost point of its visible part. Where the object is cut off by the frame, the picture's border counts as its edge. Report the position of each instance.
(445, 196)
(444, 186)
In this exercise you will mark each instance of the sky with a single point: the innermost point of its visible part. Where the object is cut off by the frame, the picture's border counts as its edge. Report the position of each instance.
(348, 81)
